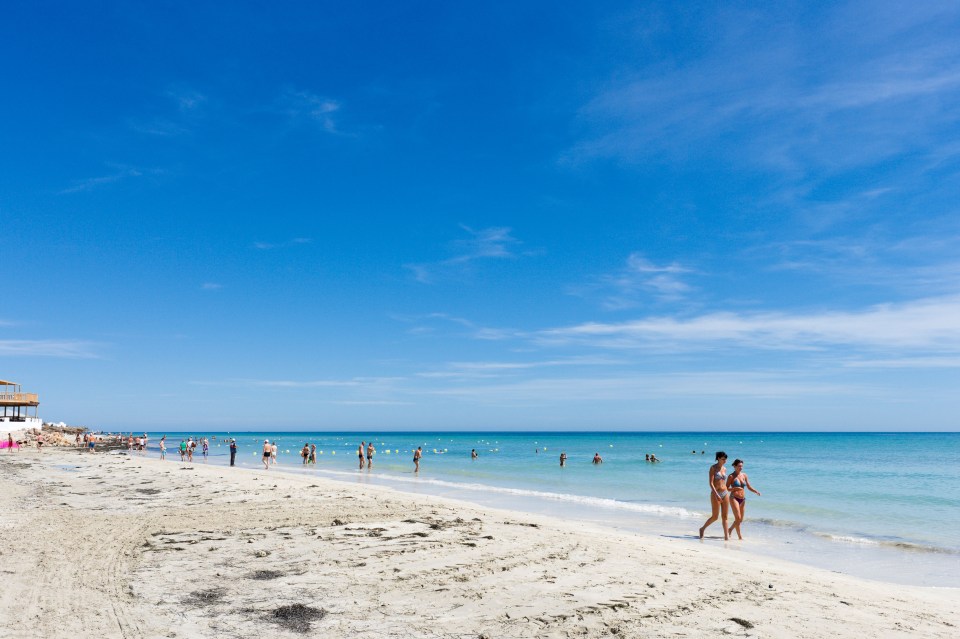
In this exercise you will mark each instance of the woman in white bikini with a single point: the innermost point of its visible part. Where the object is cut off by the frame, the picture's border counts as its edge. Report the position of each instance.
(719, 495)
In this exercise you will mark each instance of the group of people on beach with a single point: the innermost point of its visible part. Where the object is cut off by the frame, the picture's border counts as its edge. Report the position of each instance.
(727, 491)
(309, 454)
(188, 447)
(269, 457)
(89, 441)
(366, 449)
(11, 443)
(135, 444)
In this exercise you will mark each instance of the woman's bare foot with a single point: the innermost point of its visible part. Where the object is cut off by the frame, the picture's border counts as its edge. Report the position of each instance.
(701, 532)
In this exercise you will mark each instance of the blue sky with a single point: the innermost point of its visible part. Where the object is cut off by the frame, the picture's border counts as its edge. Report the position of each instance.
(448, 215)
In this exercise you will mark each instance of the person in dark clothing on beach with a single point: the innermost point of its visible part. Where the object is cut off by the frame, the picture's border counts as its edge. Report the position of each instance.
(233, 452)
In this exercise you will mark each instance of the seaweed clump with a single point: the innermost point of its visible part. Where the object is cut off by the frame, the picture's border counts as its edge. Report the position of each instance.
(297, 617)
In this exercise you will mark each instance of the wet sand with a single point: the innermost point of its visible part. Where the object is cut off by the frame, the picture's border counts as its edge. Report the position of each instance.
(106, 545)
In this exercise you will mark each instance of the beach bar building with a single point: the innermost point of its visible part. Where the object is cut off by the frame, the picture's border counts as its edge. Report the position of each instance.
(15, 406)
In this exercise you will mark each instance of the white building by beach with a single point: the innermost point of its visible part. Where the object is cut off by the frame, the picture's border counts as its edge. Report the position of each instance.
(15, 406)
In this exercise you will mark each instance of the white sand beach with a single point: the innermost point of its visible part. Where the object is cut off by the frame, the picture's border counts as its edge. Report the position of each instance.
(106, 545)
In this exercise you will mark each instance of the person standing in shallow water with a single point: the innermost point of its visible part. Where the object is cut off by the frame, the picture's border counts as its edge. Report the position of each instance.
(719, 495)
(313, 454)
(563, 460)
(360, 453)
(233, 452)
(370, 451)
(417, 454)
(267, 454)
(738, 496)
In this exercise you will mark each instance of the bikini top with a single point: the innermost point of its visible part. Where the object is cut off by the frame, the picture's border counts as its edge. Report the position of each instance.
(736, 484)
(719, 475)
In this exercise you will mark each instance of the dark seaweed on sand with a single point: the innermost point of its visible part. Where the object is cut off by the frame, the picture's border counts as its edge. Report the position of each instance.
(206, 597)
(297, 616)
(263, 575)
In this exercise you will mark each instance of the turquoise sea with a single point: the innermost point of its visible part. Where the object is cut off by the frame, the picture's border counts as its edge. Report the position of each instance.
(884, 506)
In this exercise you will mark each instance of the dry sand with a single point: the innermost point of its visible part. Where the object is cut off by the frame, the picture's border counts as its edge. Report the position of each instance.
(105, 545)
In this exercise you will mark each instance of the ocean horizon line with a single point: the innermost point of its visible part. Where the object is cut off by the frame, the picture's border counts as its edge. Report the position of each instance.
(572, 432)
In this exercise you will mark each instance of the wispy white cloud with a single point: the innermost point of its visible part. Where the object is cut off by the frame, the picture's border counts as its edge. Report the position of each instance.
(875, 258)
(211, 286)
(491, 369)
(371, 402)
(355, 382)
(187, 101)
(926, 324)
(792, 96)
(494, 242)
(652, 386)
(71, 349)
(934, 361)
(432, 323)
(87, 184)
(304, 106)
(188, 110)
(640, 278)
(483, 244)
(297, 241)
(161, 127)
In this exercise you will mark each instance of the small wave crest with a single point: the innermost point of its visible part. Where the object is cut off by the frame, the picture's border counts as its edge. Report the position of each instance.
(601, 502)
(884, 543)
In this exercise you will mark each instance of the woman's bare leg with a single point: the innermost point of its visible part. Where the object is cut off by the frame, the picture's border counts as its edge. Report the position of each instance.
(737, 517)
(715, 505)
(724, 510)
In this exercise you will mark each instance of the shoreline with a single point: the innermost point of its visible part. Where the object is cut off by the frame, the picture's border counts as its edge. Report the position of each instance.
(111, 545)
(885, 560)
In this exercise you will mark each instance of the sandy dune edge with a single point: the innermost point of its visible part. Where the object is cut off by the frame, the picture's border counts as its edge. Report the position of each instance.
(111, 546)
